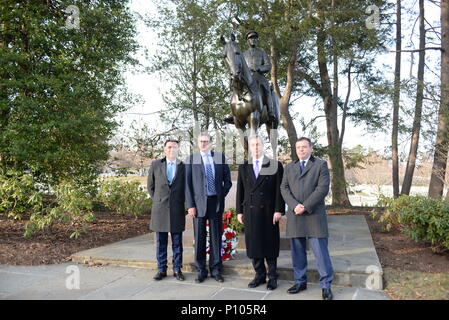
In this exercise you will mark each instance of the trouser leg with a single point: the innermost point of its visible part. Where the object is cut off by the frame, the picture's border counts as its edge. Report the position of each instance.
(272, 268)
(177, 249)
(299, 260)
(215, 235)
(161, 251)
(323, 261)
(259, 267)
(199, 225)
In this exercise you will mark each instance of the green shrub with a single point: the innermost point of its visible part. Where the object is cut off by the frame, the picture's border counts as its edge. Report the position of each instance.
(426, 219)
(72, 206)
(124, 197)
(19, 195)
(419, 217)
(389, 218)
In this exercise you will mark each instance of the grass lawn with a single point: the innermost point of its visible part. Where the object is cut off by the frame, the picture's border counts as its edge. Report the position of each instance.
(414, 285)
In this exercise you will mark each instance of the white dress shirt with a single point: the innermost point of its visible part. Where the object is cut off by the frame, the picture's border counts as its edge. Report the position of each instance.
(174, 167)
(260, 163)
(207, 158)
(305, 163)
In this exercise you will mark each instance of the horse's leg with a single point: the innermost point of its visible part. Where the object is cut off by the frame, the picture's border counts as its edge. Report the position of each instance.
(255, 117)
(240, 125)
(273, 136)
(273, 123)
(254, 122)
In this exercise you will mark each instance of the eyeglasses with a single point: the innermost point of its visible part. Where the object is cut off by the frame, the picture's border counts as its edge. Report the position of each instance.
(204, 141)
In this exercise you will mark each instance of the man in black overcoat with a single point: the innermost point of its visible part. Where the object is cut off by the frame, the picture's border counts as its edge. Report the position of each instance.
(259, 206)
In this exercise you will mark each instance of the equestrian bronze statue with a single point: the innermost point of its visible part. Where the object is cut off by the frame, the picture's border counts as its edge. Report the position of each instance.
(253, 100)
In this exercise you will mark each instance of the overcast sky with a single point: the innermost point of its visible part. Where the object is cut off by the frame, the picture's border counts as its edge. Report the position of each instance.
(149, 87)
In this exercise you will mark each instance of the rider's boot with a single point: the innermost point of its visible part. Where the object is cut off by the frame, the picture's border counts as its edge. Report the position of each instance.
(271, 115)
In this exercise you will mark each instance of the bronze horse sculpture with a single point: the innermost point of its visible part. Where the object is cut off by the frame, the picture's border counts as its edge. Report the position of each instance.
(248, 105)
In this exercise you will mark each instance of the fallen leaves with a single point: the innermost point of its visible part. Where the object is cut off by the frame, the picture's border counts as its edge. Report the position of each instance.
(56, 246)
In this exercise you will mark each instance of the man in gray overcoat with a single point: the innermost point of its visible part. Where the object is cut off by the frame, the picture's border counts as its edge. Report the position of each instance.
(304, 186)
(166, 186)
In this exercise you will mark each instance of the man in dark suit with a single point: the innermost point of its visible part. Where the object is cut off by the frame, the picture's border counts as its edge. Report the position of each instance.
(166, 183)
(259, 206)
(304, 186)
(208, 180)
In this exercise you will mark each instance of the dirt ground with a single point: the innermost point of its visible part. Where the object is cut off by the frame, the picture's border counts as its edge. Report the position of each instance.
(394, 249)
(55, 246)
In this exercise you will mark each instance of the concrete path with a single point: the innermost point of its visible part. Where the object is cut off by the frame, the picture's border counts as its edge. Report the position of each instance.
(125, 269)
(71, 282)
(351, 248)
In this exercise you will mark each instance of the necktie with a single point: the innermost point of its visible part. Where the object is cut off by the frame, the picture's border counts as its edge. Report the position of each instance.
(303, 165)
(210, 178)
(170, 172)
(256, 169)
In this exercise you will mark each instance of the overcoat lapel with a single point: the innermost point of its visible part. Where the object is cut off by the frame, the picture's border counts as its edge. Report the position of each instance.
(310, 164)
(260, 178)
(163, 167)
(297, 169)
(250, 173)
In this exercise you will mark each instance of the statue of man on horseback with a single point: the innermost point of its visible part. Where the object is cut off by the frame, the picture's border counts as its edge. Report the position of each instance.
(258, 62)
(253, 101)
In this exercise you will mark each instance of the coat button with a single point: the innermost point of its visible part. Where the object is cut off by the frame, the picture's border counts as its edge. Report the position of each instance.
(251, 207)
(261, 207)
(261, 193)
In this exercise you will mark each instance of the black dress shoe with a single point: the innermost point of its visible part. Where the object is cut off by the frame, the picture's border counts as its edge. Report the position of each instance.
(179, 276)
(272, 284)
(200, 278)
(256, 282)
(160, 275)
(327, 294)
(218, 278)
(297, 288)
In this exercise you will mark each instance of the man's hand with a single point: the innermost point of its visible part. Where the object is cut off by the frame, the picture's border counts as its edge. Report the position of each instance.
(192, 212)
(299, 209)
(240, 217)
(276, 217)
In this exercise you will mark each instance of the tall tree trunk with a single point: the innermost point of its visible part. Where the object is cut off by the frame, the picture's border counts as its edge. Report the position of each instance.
(289, 126)
(411, 162)
(437, 179)
(284, 100)
(396, 101)
(338, 180)
(4, 113)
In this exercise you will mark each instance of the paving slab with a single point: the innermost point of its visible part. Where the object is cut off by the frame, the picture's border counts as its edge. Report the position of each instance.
(351, 248)
(176, 290)
(238, 294)
(55, 287)
(109, 282)
(14, 279)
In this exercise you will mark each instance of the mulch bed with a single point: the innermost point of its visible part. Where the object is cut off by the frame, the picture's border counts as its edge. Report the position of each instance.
(55, 246)
(394, 249)
(397, 251)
